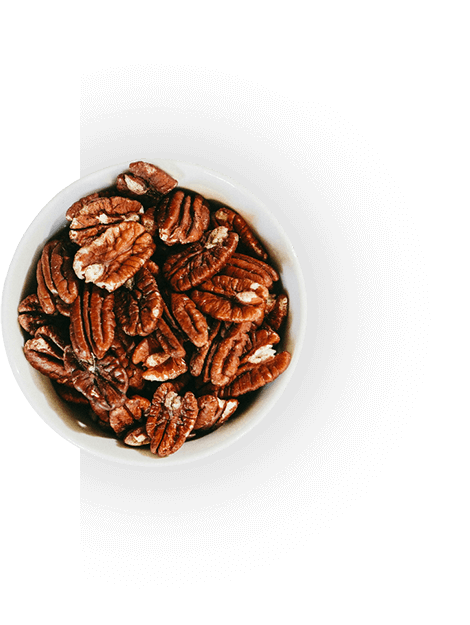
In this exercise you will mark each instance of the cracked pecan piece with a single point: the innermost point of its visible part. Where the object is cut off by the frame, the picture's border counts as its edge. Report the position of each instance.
(161, 345)
(259, 346)
(45, 352)
(231, 299)
(201, 260)
(167, 370)
(137, 437)
(139, 304)
(100, 213)
(213, 412)
(115, 256)
(255, 376)
(92, 323)
(171, 418)
(225, 216)
(132, 413)
(103, 382)
(183, 217)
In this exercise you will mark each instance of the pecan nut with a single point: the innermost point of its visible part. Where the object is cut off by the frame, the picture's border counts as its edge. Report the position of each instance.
(115, 256)
(31, 315)
(92, 323)
(170, 369)
(138, 304)
(159, 180)
(231, 299)
(103, 382)
(213, 412)
(201, 260)
(223, 358)
(158, 347)
(57, 283)
(231, 219)
(170, 420)
(256, 376)
(190, 319)
(100, 213)
(278, 312)
(132, 413)
(242, 266)
(45, 352)
(183, 217)
(137, 437)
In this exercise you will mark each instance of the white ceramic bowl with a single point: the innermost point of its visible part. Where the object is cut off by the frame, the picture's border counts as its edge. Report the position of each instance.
(38, 389)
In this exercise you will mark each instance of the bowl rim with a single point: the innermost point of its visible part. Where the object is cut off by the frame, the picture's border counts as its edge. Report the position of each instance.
(9, 312)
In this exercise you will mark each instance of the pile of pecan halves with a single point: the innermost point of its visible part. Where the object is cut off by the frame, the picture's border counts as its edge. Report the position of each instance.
(156, 308)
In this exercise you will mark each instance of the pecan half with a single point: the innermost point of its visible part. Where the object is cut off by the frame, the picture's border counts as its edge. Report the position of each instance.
(31, 315)
(257, 375)
(171, 419)
(158, 179)
(167, 370)
(115, 256)
(138, 304)
(103, 382)
(199, 355)
(231, 219)
(201, 260)
(183, 217)
(278, 312)
(57, 283)
(223, 359)
(161, 345)
(45, 352)
(231, 299)
(243, 266)
(213, 412)
(79, 204)
(92, 323)
(259, 346)
(190, 319)
(100, 213)
(131, 413)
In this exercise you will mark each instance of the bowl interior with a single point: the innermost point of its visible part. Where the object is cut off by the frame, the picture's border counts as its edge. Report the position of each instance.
(71, 422)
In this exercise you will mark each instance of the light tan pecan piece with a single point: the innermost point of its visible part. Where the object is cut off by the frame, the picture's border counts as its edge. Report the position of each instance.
(45, 352)
(103, 382)
(139, 304)
(57, 284)
(190, 319)
(171, 418)
(255, 376)
(158, 179)
(183, 217)
(225, 216)
(231, 299)
(213, 412)
(92, 323)
(100, 213)
(115, 256)
(201, 260)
